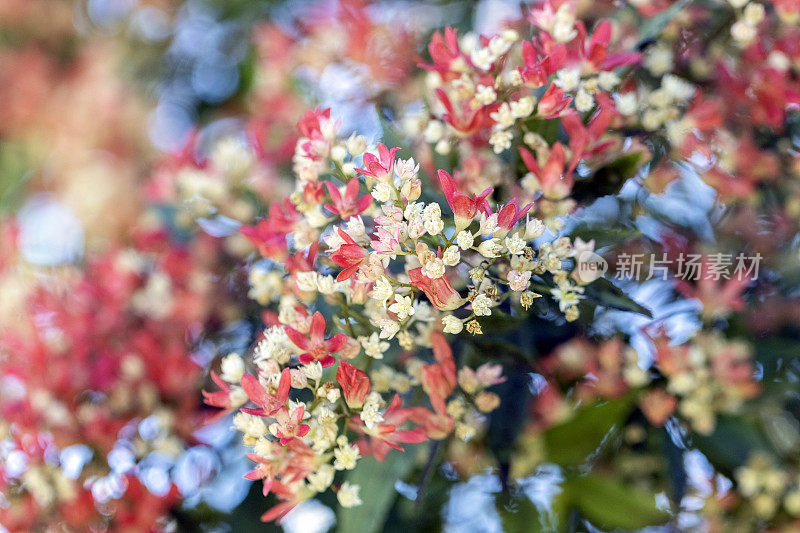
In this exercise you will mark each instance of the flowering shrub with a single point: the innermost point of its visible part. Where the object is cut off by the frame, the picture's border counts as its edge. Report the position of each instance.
(554, 265)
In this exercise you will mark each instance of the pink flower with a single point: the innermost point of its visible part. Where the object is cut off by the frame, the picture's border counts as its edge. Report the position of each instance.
(355, 384)
(268, 404)
(349, 205)
(439, 291)
(381, 168)
(349, 256)
(464, 207)
(316, 347)
(289, 425)
(518, 281)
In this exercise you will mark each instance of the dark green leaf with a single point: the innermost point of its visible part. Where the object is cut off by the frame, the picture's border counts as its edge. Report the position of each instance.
(731, 443)
(574, 440)
(609, 504)
(518, 514)
(605, 293)
(608, 179)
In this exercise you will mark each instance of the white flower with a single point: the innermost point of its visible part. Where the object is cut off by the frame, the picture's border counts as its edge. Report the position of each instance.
(313, 370)
(374, 346)
(369, 412)
(534, 228)
(434, 226)
(482, 58)
(250, 425)
(326, 284)
(382, 290)
(356, 144)
(501, 140)
(485, 94)
(626, 103)
(607, 80)
(432, 211)
(348, 495)
(522, 108)
(584, 101)
(490, 248)
(743, 31)
(413, 210)
(433, 131)
(320, 480)
(382, 191)
(389, 328)
(452, 324)
(306, 281)
(403, 307)
(434, 268)
(451, 256)
(503, 116)
(345, 456)
(232, 368)
(659, 60)
(465, 240)
(515, 244)
(568, 78)
(482, 305)
(406, 169)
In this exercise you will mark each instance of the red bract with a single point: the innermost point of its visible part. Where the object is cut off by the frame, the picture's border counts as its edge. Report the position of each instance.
(349, 256)
(268, 404)
(444, 51)
(316, 347)
(439, 291)
(350, 204)
(381, 167)
(554, 180)
(466, 119)
(439, 379)
(510, 214)
(355, 384)
(387, 435)
(464, 207)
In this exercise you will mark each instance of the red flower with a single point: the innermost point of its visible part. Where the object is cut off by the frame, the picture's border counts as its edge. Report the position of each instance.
(349, 205)
(439, 291)
(464, 207)
(466, 120)
(553, 179)
(443, 51)
(220, 398)
(289, 425)
(439, 379)
(380, 167)
(386, 435)
(553, 102)
(316, 347)
(349, 256)
(268, 404)
(354, 382)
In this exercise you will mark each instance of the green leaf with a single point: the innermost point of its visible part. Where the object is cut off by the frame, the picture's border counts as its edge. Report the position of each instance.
(518, 514)
(603, 292)
(609, 504)
(608, 179)
(571, 442)
(376, 480)
(731, 443)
